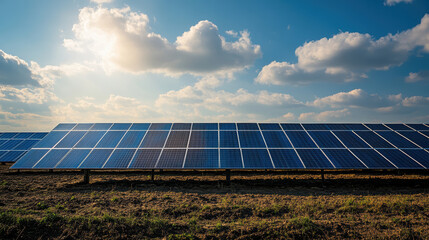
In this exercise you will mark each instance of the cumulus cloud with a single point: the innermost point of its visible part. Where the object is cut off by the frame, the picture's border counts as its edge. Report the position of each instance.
(122, 40)
(346, 57)
(323, 116)
(101, 1)
(417, 76)
(394, 2)
(15, 71)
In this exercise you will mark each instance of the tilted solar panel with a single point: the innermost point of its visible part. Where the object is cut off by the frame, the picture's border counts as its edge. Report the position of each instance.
(220, 145)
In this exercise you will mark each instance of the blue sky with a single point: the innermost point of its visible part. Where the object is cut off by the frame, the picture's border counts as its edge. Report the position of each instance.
(212, 61)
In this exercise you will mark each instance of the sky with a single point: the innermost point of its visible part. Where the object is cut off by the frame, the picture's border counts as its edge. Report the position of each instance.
(212, 61)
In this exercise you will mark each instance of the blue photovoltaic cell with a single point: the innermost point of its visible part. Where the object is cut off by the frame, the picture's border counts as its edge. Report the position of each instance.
(337, 126)
(416, 137)
(204, 126)
(3, 153)
(38, 135)
(23, 135)
(204, 139)
(120, 126)
(228, 139)
(71, 139)
(73, 158)
(132, 139)
(398, 127)
(256, 158)
(140, 126)
(177, 139)
(350, 139)
(29, 159)
(300, 139)
(227, 126)
(376, 126)
(346, 126)
(3, 141)
(285, 158)
(160, 126)
(90, 139)
(26, 144)
(202, 158)
(120, 158)
(291, 126)
(145, 158)
(111, 139)
(343, 158)
(314, 159)
(11, 144)
(419, 155)
(373, 139)
(11, 156)
(399, 159)
(96, 158)
(65, 126)
(154, 139)
(426, 133)
(51, 159)
(372, 159)
(181, 126)
(8, 135)
(270, 126)
(171, 158)
(276, 139)
(396, 139)
(51, 139)
(230, 158)
(101, 126)
(325, 139)
(418, 126)
(83, 126)
(247, 126)
(315, 126)
(251, 139)
(356, 126)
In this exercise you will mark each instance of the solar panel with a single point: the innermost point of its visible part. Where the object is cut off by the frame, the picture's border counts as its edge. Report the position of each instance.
(219, 145)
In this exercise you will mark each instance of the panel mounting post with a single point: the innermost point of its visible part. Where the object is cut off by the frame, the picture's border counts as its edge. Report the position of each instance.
(86, 176)
(228, 176)
(152, 176)
(322, 173)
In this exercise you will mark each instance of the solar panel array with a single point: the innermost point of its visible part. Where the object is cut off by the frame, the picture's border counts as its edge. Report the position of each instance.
(230, 146)
(14, 145)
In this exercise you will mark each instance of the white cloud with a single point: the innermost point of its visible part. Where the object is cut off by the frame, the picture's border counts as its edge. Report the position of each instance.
(27, 95)
(394, 2)
(346, 57)
(417, 76)
(15, 71)
(323, 116)
(101, 1)
(122, 40)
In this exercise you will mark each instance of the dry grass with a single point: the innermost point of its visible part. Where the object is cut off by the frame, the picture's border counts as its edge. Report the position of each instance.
(129, 206)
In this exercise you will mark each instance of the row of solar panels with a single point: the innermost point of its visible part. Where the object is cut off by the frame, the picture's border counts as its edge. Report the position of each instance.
(224, 158)
(235, 139)
(239, 126)
(14, 145)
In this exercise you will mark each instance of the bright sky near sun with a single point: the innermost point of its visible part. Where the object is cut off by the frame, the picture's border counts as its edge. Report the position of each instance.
(212, 61)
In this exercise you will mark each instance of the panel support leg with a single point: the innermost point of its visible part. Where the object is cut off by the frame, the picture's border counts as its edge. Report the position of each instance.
(228, 176)
(322, 173)
(86, 176)
(51, 170)
(152, 176)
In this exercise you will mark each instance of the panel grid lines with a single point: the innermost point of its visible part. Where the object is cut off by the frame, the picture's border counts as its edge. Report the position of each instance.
(239, 145)
(398, 148)
(132, 159)
(165, 142)
(104, 164)
(375, 149)
(293, 147)
(349, 149)
(94, 146)
(319, 147)
(187, 145)
(269, 154)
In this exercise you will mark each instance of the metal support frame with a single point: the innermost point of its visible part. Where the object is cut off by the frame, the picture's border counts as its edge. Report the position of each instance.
(152, 176)
(86, 176)
(228, 176)
(322, 173)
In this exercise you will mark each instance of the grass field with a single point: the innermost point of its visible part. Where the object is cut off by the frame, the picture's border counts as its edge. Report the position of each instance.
(119, 205)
